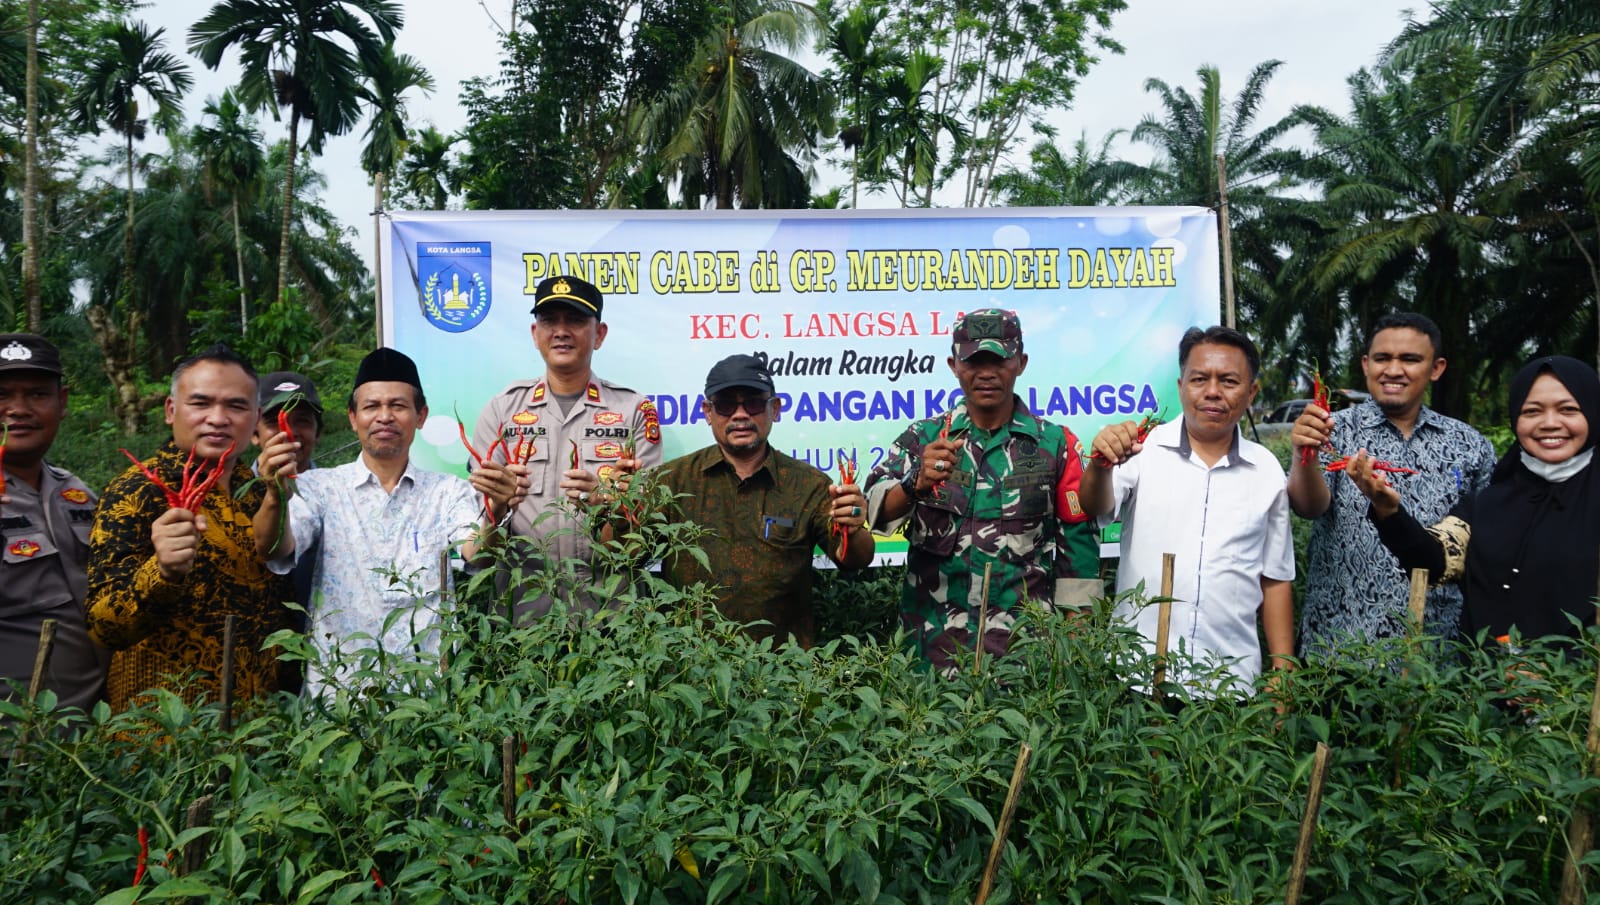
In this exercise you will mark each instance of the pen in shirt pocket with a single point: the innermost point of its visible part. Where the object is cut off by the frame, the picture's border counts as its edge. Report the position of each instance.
(767, 521)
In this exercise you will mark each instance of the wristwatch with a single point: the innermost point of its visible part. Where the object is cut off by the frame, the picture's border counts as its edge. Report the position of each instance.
(909, 482)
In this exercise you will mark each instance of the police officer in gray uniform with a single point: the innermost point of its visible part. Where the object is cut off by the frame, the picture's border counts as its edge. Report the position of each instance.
(45, 516)
(575, 430)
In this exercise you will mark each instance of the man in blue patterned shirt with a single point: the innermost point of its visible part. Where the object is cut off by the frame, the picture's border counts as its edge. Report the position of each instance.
(1355, 589)
(381, 520)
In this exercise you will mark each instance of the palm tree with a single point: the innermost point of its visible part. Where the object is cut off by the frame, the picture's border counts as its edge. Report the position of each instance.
(903, 133)
(1190, 134)
(131, 62)
(743, 122)
(426, 173)
(1058, 179)
(1419, 185)
(230, 145)
(386, 132)
(852, 43)
(308, 56)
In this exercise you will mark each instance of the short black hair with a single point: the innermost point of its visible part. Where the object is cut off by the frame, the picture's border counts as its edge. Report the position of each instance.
(1221, 336)
(1409, 320)
(219, 353)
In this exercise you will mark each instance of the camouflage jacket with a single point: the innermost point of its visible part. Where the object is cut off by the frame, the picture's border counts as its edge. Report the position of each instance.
(997, 509)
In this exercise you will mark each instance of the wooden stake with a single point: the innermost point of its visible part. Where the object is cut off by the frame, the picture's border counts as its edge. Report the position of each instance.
(983, 619)
(508, 779)
(228, 641)
(444, 586)
(1417, 602)
(41, 659)
(41, 667)
(1308, 826)
(193, 856)
(1164, 619)
(1003, 828)
(1226, 229)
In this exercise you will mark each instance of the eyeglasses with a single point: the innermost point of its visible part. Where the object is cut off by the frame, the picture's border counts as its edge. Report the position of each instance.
(752, 405)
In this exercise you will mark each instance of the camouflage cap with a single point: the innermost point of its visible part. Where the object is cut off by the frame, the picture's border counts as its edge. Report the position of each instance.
(986, 330)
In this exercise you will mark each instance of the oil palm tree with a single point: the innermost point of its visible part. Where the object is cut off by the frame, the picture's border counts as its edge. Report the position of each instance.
(742, 123)
(131, 62)
(1419, 186)
(1062, 179)
(306, 58)
(230, 146)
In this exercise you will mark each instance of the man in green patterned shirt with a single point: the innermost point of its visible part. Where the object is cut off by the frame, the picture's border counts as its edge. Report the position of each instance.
(986, 485)
(765, 511)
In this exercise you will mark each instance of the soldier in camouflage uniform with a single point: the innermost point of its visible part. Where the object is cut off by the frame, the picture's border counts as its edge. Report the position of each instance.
(988, 484)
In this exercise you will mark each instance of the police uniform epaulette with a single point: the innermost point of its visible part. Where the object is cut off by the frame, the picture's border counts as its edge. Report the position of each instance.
(614, 386)
(520, 386)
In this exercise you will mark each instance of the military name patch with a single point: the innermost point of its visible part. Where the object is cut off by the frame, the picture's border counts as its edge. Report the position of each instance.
(525, 418)
(607, 417)
(608, 450)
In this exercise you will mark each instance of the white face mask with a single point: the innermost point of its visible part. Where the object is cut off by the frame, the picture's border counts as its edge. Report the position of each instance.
(1556, 472)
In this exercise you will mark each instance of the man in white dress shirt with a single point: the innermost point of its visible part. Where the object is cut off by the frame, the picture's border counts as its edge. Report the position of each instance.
(382, 521)
(1197, 489)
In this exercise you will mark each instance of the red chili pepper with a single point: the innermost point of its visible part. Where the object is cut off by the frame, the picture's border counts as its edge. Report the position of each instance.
(1319, 398)
(283, 422)
(196, 481)
(847, 475)
(1377, 465)
(144, 856)
(573, 461)
(376, 879)
(1146, 424)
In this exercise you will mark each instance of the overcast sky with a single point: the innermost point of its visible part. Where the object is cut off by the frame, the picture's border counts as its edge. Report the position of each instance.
(1321, 44)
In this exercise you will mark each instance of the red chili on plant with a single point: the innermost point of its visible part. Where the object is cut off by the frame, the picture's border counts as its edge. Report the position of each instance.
(144, 856)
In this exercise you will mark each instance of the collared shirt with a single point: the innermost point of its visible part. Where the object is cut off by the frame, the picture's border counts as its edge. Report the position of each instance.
(1355, 588)
(601, 424)
(997, 509)
(379, 553)
(1227, 524)
(45, 535)
(158, 628)
(762, 531)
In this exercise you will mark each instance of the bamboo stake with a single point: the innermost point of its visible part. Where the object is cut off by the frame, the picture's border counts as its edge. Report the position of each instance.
(508, 779)
(444, 586)
(1417, 602)
(1580, 829)
(1308, 826)
(41, 659)
(1226, 229)
(1164, 620)
(983, 619)
(228, 641)
(41, 666)
(1007, 813)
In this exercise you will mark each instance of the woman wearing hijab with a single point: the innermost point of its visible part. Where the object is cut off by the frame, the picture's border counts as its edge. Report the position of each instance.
(1526, 549)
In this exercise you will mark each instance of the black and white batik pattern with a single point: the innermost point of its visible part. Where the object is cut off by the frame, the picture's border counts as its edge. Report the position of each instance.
(1355, 588)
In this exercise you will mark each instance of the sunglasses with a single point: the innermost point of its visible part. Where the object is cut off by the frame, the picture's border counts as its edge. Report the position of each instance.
(752, 405)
